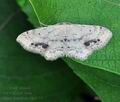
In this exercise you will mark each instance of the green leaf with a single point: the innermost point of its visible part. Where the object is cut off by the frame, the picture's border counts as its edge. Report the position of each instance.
(85, 12)
(27, 8)
(104, 72)
(26, 77)
(104, 83)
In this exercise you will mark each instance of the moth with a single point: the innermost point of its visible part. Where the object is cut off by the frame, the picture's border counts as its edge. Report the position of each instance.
(65, 40)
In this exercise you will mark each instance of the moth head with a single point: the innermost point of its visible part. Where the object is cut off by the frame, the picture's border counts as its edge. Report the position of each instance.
(98, 40)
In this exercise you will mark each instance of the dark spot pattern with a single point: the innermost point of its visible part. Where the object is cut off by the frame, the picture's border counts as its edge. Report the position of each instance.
(68, 40)
(100, 27)
(65, 39)
(61, 40)
(98, 39)
(74, 39)
(40, 44)
(87, 43)
(55, 40)
(32, 43)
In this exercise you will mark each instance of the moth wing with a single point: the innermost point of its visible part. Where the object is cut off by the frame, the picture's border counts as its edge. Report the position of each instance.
(78, 54)
(53, 54)
(56, 49)
(84, 33)
(40, 35)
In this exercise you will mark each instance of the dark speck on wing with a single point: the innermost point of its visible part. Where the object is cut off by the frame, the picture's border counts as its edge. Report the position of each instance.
(44, 45)
(100, 27)
(65, 39)
(87, 43)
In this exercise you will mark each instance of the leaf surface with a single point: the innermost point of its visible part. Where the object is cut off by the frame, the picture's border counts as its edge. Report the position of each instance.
(26, 77)
(102, 72)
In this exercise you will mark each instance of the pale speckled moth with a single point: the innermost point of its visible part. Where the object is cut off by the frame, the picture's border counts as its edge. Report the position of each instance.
(70, 40)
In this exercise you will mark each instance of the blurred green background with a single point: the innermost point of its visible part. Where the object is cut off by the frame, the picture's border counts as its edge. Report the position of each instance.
(27, 77)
